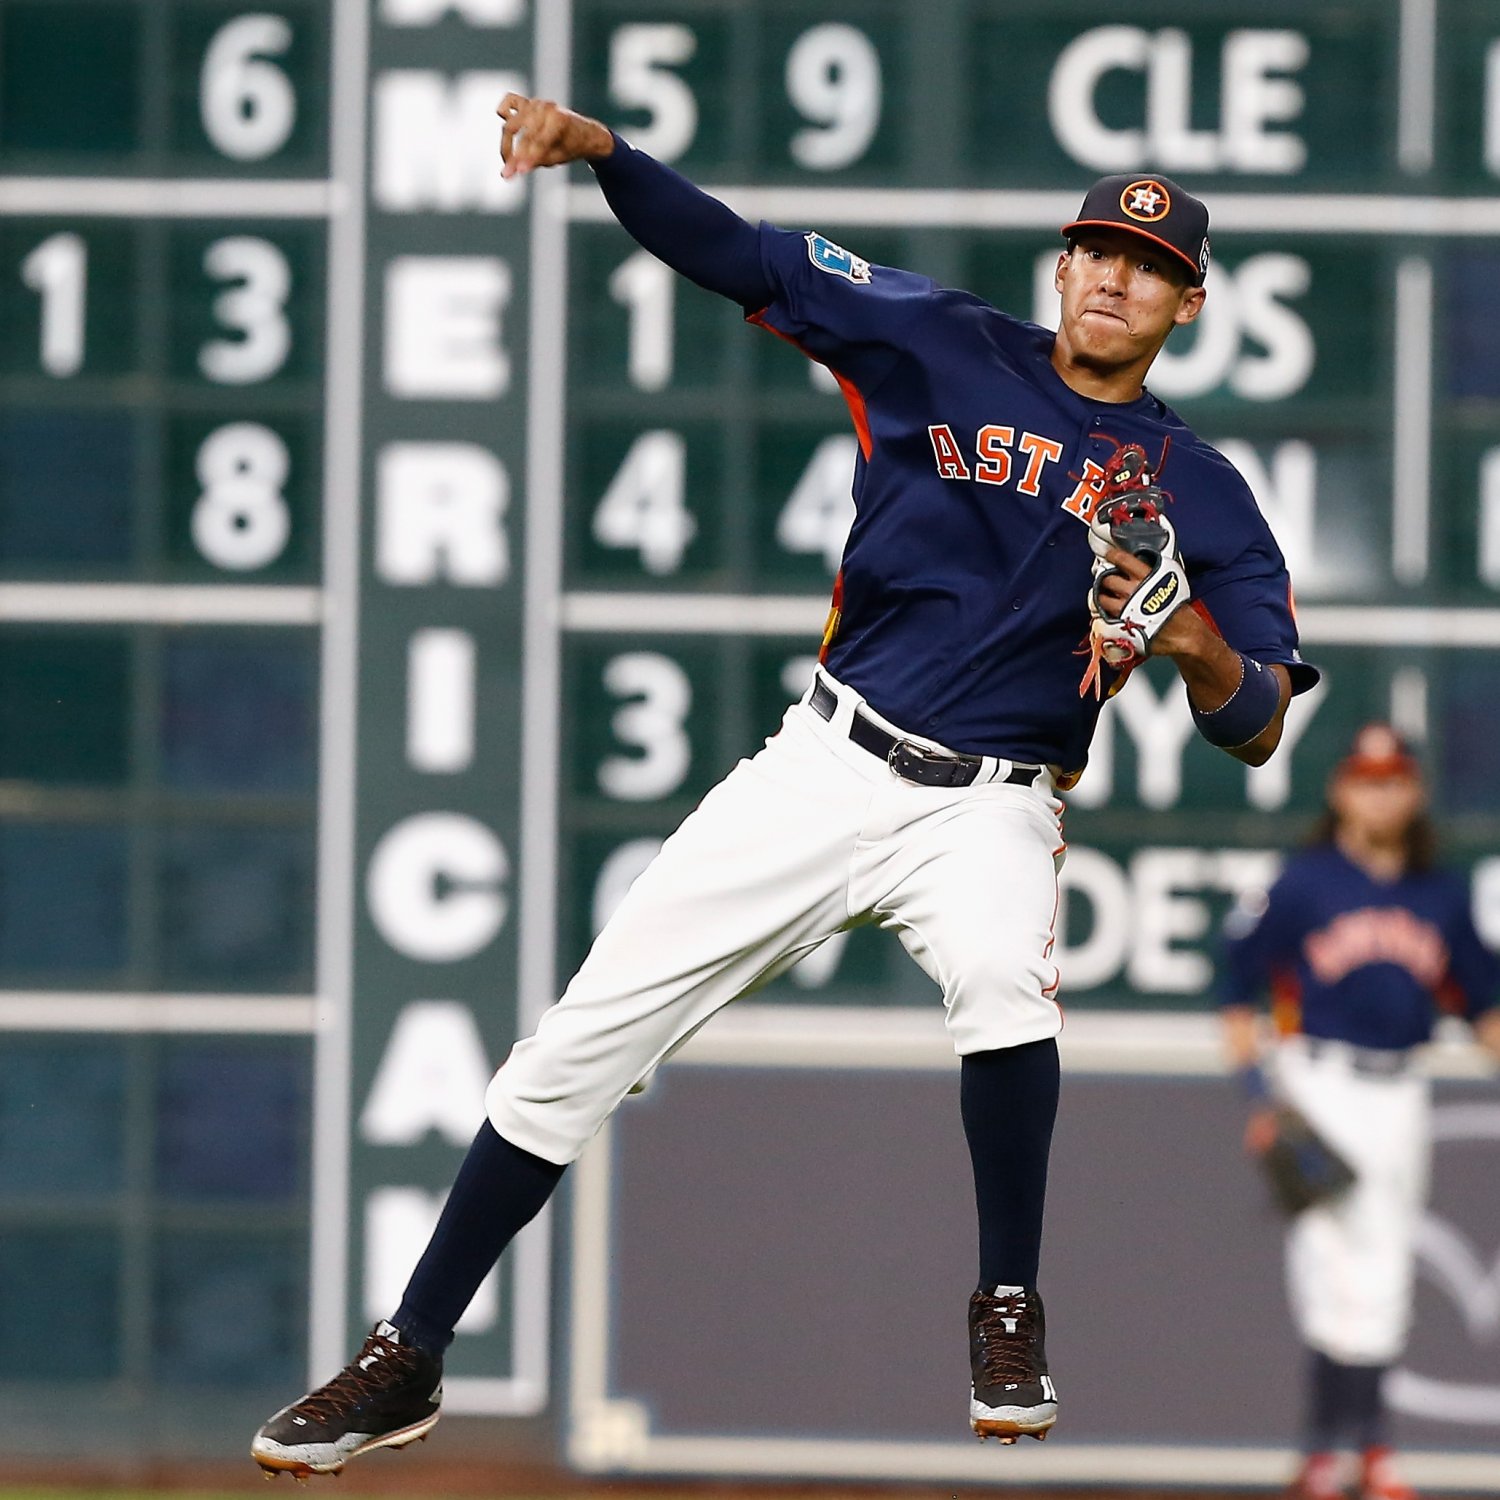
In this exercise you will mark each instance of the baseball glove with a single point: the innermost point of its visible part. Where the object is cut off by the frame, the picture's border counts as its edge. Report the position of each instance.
(1129, 515)
(1301, 1168)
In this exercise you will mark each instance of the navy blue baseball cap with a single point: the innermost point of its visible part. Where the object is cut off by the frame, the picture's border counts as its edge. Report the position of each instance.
(1155, 208)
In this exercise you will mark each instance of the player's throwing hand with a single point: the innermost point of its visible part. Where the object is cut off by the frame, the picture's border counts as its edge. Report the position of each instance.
(539, 133)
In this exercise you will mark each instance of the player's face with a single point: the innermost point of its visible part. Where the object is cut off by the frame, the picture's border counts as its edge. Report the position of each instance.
(1121, 297)
(1377, 809)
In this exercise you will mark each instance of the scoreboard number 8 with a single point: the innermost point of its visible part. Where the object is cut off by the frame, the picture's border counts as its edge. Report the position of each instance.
(241, 520)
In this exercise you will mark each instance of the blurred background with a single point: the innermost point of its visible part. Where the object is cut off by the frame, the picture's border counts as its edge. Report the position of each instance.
(391, 556)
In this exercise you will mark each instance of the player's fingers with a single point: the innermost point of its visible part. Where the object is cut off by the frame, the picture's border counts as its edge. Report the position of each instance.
(1127, 563)
(509, 109)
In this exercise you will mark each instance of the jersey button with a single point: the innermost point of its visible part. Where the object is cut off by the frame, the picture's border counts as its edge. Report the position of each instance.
(1015, 604)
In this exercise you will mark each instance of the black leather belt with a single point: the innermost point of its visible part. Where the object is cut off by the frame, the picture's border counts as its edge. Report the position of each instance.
(910, 761)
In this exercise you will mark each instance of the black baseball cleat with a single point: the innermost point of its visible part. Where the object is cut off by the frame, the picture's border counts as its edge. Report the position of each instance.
(387, 1396)
(1012, 1396)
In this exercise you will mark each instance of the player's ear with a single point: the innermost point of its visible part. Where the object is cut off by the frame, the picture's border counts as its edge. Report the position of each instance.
(1190, 306)
(1062, 268)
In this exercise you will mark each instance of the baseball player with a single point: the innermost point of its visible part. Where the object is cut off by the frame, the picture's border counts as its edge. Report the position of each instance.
(1020, 498)
(1359, 943)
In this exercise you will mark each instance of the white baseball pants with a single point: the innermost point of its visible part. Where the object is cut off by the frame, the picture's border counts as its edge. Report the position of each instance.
(810, 837)
(1350, 1263)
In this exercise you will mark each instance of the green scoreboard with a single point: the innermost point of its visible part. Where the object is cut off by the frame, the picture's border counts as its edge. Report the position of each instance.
(391, 555)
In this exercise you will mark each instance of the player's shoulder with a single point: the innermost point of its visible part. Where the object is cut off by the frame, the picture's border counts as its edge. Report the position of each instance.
(1214, 477)
(1311, 865)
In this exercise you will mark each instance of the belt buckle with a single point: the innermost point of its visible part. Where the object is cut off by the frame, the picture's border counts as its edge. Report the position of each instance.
(914, 754)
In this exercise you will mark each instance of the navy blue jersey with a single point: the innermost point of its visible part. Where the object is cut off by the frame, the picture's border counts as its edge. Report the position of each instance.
(1355, 959)
(960, 605)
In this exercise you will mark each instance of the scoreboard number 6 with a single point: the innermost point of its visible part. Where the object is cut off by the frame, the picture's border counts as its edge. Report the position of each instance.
(247, 104)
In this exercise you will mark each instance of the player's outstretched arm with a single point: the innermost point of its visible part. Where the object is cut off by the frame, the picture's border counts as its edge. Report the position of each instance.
(538, 133)
(680, 224)
(1212, 670)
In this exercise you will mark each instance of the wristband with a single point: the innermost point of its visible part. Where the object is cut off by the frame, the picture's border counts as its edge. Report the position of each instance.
(1248, 710)
(1253, 1080)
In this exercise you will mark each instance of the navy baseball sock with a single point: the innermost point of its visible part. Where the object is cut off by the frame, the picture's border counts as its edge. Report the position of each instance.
(1367, 1412)
(1009, 1100)
(1327, 1403)
(498, 1191)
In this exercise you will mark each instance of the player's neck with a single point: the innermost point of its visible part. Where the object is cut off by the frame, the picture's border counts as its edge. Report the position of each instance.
(1114, 383)
(1381, 859)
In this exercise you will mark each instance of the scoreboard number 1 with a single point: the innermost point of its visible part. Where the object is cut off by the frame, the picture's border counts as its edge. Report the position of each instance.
(57, 270)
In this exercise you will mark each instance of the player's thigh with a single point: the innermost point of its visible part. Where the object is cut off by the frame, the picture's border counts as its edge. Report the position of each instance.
(758, 872)
(974, 897)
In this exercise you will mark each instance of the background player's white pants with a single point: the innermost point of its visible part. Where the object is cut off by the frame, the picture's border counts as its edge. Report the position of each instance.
(1350, 1264)
(812, 836)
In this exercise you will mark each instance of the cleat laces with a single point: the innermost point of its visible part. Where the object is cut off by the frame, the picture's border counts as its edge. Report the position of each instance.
(358, 1381)
(1007, 1336)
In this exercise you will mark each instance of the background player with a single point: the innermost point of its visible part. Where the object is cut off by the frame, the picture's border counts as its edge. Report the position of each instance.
(1360, 942)
(914, 786)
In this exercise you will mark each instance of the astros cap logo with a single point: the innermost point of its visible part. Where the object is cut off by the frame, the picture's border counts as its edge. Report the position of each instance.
(1146, 200)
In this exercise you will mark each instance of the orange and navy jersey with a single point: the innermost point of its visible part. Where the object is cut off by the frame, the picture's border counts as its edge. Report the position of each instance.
(964, 579)
(1355, 959)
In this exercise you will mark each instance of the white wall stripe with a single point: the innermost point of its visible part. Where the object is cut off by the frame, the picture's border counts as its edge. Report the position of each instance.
(59, 1010)
(160, 604)
(170, 198)
(952, 208)
(1416, 85)
(1411, 421)
(338, 729)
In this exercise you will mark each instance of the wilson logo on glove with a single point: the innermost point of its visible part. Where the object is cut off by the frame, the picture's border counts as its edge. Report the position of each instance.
(1129, 516)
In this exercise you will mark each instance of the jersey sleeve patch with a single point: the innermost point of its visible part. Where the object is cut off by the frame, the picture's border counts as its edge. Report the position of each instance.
(836, 260)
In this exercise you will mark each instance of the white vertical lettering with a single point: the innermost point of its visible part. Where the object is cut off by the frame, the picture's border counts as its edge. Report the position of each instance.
(437, 142)
(443, 326)
(440, 514)
(440, 701)
(435, 887)
(398, 1223)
